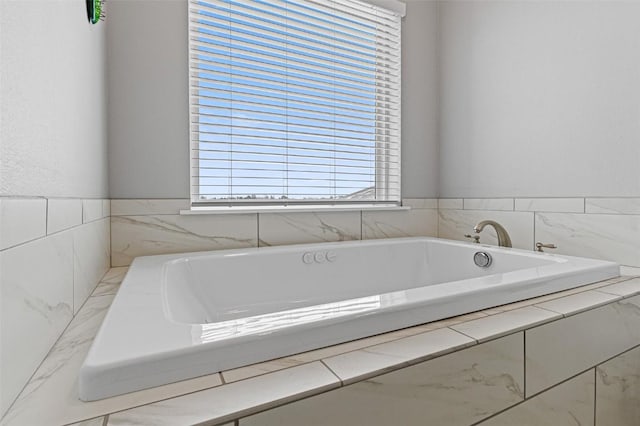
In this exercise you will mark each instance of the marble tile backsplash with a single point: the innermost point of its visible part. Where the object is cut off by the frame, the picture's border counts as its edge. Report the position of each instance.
(148, 227)
(298, 228)
(455, 224)
(603, 228)
(488, 204)
(602, 236)
(53, 252)
(564, 205)
(63, 213)
(613, 205)
(30, 214)
(133, 236)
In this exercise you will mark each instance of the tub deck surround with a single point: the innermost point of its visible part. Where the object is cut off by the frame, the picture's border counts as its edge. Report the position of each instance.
(52, 393)
(176, 317)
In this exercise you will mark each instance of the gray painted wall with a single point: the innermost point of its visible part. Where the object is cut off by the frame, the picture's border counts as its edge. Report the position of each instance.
(148, 103)
(539, 98)
(512, 98)
(148, 99)
(420, 163)
(53, 136)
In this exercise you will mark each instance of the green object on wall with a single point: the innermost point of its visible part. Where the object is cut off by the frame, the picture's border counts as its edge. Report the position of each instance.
(95, 10)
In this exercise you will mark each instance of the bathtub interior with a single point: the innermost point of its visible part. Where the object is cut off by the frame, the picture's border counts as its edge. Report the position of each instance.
(222, 287)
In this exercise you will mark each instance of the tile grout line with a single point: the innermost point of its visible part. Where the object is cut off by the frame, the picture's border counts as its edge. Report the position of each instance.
(258, 230)
(534, 230)
(73, 279)
(477, 342)
(524, 362)
(46, 217)
(333, 372)
(109, 234)
(595, 393)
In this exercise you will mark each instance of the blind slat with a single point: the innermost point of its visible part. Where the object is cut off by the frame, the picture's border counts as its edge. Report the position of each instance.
(292, 114)
(295, 136)
(305, 145)
(223, 170)
(258, 116)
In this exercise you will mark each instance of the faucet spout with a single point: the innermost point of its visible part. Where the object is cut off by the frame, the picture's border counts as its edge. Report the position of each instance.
(503, 236)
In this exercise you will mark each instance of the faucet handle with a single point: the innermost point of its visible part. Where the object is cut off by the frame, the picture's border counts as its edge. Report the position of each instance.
(539, 246)
(476, 238)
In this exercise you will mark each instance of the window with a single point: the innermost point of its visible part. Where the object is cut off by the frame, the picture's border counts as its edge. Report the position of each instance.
(294, 102)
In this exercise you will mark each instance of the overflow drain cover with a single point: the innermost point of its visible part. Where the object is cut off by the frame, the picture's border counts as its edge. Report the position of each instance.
(482, 259)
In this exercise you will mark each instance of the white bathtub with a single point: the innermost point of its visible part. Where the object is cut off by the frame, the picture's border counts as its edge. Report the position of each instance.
(180, 316)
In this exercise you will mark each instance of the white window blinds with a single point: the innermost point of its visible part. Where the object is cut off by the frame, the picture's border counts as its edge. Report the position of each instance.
(294, 101)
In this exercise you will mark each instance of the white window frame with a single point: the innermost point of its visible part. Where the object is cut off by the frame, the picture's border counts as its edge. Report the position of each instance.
(383, 169)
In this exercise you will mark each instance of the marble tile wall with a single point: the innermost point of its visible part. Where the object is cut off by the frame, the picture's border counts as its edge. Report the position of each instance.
(53, 252)
(569, 403)
(459, 389)
(603, 228)
(618, 390)
(147, 227)
(561, 349)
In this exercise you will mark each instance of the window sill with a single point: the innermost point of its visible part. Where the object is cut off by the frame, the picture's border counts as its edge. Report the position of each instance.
(289, 209)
